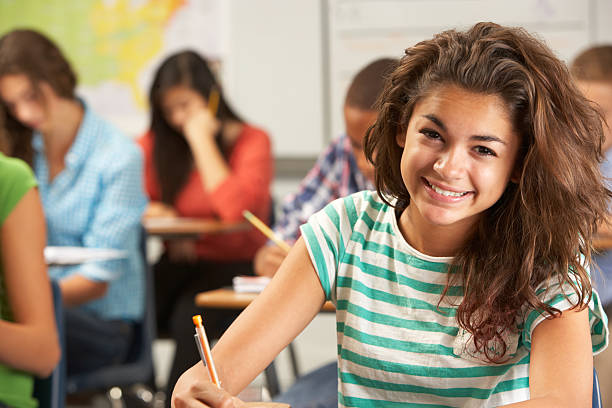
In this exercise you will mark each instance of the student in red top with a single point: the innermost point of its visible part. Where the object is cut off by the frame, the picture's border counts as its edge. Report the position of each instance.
(201, 161)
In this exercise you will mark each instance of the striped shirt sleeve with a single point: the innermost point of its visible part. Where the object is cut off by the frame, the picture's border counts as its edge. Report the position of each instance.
(564, 298)
(326, 235)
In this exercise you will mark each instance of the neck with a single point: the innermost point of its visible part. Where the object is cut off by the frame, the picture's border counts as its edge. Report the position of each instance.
(67, 115)
(230, 132)
(431, 239)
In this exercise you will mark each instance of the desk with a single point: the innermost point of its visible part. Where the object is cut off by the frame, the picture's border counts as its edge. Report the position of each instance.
(169, 227)
(228, 299)
(602, 242)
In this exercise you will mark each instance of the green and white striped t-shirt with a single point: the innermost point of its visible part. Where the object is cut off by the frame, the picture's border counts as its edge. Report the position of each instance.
(396, 347)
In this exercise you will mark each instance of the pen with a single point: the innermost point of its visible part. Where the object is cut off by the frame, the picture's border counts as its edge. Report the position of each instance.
(204, 349)
(213, 101)
(257, 223)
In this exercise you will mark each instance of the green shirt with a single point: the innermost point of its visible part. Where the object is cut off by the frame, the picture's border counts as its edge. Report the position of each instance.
(16, 179)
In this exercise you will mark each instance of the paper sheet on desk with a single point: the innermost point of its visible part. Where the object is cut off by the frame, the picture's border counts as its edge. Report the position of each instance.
(67, 255)
(249, 283)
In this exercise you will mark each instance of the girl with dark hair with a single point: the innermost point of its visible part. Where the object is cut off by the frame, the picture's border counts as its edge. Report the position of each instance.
(463, 280)
(201, 161)
(90, 181)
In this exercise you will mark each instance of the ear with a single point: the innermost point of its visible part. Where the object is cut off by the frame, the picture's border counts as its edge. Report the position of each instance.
(400, 139)
(515, 176)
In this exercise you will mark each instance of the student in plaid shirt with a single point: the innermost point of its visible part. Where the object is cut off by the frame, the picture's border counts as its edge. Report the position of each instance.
(342, 169)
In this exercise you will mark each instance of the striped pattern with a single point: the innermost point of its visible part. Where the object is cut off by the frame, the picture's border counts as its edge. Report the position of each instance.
(396, 345)
(334, 175)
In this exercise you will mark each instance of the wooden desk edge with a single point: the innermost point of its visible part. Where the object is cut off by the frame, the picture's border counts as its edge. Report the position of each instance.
(229, 299)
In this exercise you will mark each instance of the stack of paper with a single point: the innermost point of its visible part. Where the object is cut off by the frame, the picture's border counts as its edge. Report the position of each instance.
(67, 255)
(250, 283)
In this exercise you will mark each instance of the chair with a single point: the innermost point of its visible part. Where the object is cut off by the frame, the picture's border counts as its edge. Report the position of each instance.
(596, 391)
(50, 391)
(139, 366)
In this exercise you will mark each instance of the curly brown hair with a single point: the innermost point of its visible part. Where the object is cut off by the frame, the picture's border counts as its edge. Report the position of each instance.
(541, 225)
(30, 53)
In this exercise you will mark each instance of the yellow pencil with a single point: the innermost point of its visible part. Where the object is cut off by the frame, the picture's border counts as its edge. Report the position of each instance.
(205, 349)
(213, 101)
(257, 223)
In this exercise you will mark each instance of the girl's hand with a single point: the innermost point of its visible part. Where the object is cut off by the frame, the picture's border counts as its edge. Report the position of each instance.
(201, 124)
(158, 209)
(194, 389)
(268, 259)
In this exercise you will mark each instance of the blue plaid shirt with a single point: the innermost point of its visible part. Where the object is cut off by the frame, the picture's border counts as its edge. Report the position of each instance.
(334, 175)
(97, 201)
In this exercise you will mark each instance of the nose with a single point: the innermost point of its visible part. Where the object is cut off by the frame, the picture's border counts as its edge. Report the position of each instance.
(450, 164)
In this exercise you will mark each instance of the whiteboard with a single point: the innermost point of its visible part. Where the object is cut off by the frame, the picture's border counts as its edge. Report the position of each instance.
(363, 30)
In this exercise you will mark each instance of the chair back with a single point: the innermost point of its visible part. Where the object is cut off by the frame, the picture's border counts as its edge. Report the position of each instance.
(596, 391)
(138, 367)
(50, 392)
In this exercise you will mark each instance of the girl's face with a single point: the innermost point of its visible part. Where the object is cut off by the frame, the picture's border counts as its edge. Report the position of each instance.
(459, 154)
(23, 102)
(178, 105)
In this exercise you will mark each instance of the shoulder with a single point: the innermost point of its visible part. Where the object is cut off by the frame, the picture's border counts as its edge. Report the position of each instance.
(356, 204)
(14, 170)
(146, 142)
(253, 134)
(113, 147)
(17, 179)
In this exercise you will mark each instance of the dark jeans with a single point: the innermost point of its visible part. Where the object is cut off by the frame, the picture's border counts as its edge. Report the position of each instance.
(176, 285)
(317, 389)
(93, 343)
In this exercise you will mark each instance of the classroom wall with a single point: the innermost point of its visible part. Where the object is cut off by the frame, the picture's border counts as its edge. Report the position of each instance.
(285, 64)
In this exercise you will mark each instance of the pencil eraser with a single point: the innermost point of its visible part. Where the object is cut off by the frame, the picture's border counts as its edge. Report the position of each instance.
(197, 320)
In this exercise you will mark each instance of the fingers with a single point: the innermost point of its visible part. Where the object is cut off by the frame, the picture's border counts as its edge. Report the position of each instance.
(268, 259)
(203, 394)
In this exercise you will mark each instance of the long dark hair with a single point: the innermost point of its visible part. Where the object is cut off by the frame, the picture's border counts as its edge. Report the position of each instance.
(540, 226)
(172, 157)
(30, 53)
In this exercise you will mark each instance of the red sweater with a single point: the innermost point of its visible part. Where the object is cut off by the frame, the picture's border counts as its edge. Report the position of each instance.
(246, 188)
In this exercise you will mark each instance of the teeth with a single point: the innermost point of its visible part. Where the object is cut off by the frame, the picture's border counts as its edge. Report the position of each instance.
(446, 193)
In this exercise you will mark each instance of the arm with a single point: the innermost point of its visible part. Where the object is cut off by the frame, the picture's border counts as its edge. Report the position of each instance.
(561, 364)
(277, 315)
(317, 189)
(30, 342)
(115, 225)
(200, 132)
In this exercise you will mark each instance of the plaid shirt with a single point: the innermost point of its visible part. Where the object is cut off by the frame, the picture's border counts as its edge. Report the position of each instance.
(334, 175)
(97, 201)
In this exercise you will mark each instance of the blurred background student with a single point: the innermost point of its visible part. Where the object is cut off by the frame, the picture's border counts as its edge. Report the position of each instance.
(592, 69)
(28, 336)
(201, 160)
(340, 170)
(90, 181)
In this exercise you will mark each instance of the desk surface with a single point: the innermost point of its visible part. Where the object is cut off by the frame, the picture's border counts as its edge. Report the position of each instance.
(228, 299)
(191, 226)
(602, 242)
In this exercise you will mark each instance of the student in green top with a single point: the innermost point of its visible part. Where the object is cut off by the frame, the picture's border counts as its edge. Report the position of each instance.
(463, 280)
(28, 336)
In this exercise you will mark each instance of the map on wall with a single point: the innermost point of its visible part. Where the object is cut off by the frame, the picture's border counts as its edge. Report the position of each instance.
(115, 46)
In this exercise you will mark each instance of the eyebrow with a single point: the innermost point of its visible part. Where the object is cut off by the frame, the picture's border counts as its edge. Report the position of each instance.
(480, 138)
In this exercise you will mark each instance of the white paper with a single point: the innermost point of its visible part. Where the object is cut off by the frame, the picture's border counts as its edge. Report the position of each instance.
(67, 255)
(250, 283)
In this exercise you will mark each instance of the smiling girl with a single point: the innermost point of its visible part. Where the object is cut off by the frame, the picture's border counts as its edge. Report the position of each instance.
(462, 280)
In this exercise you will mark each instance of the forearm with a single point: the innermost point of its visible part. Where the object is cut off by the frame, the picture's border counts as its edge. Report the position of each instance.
(31, 348)
(210, 163)
(77, 290)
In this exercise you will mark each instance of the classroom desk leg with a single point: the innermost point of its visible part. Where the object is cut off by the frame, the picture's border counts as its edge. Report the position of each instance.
(294, 363)
(272, 380)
